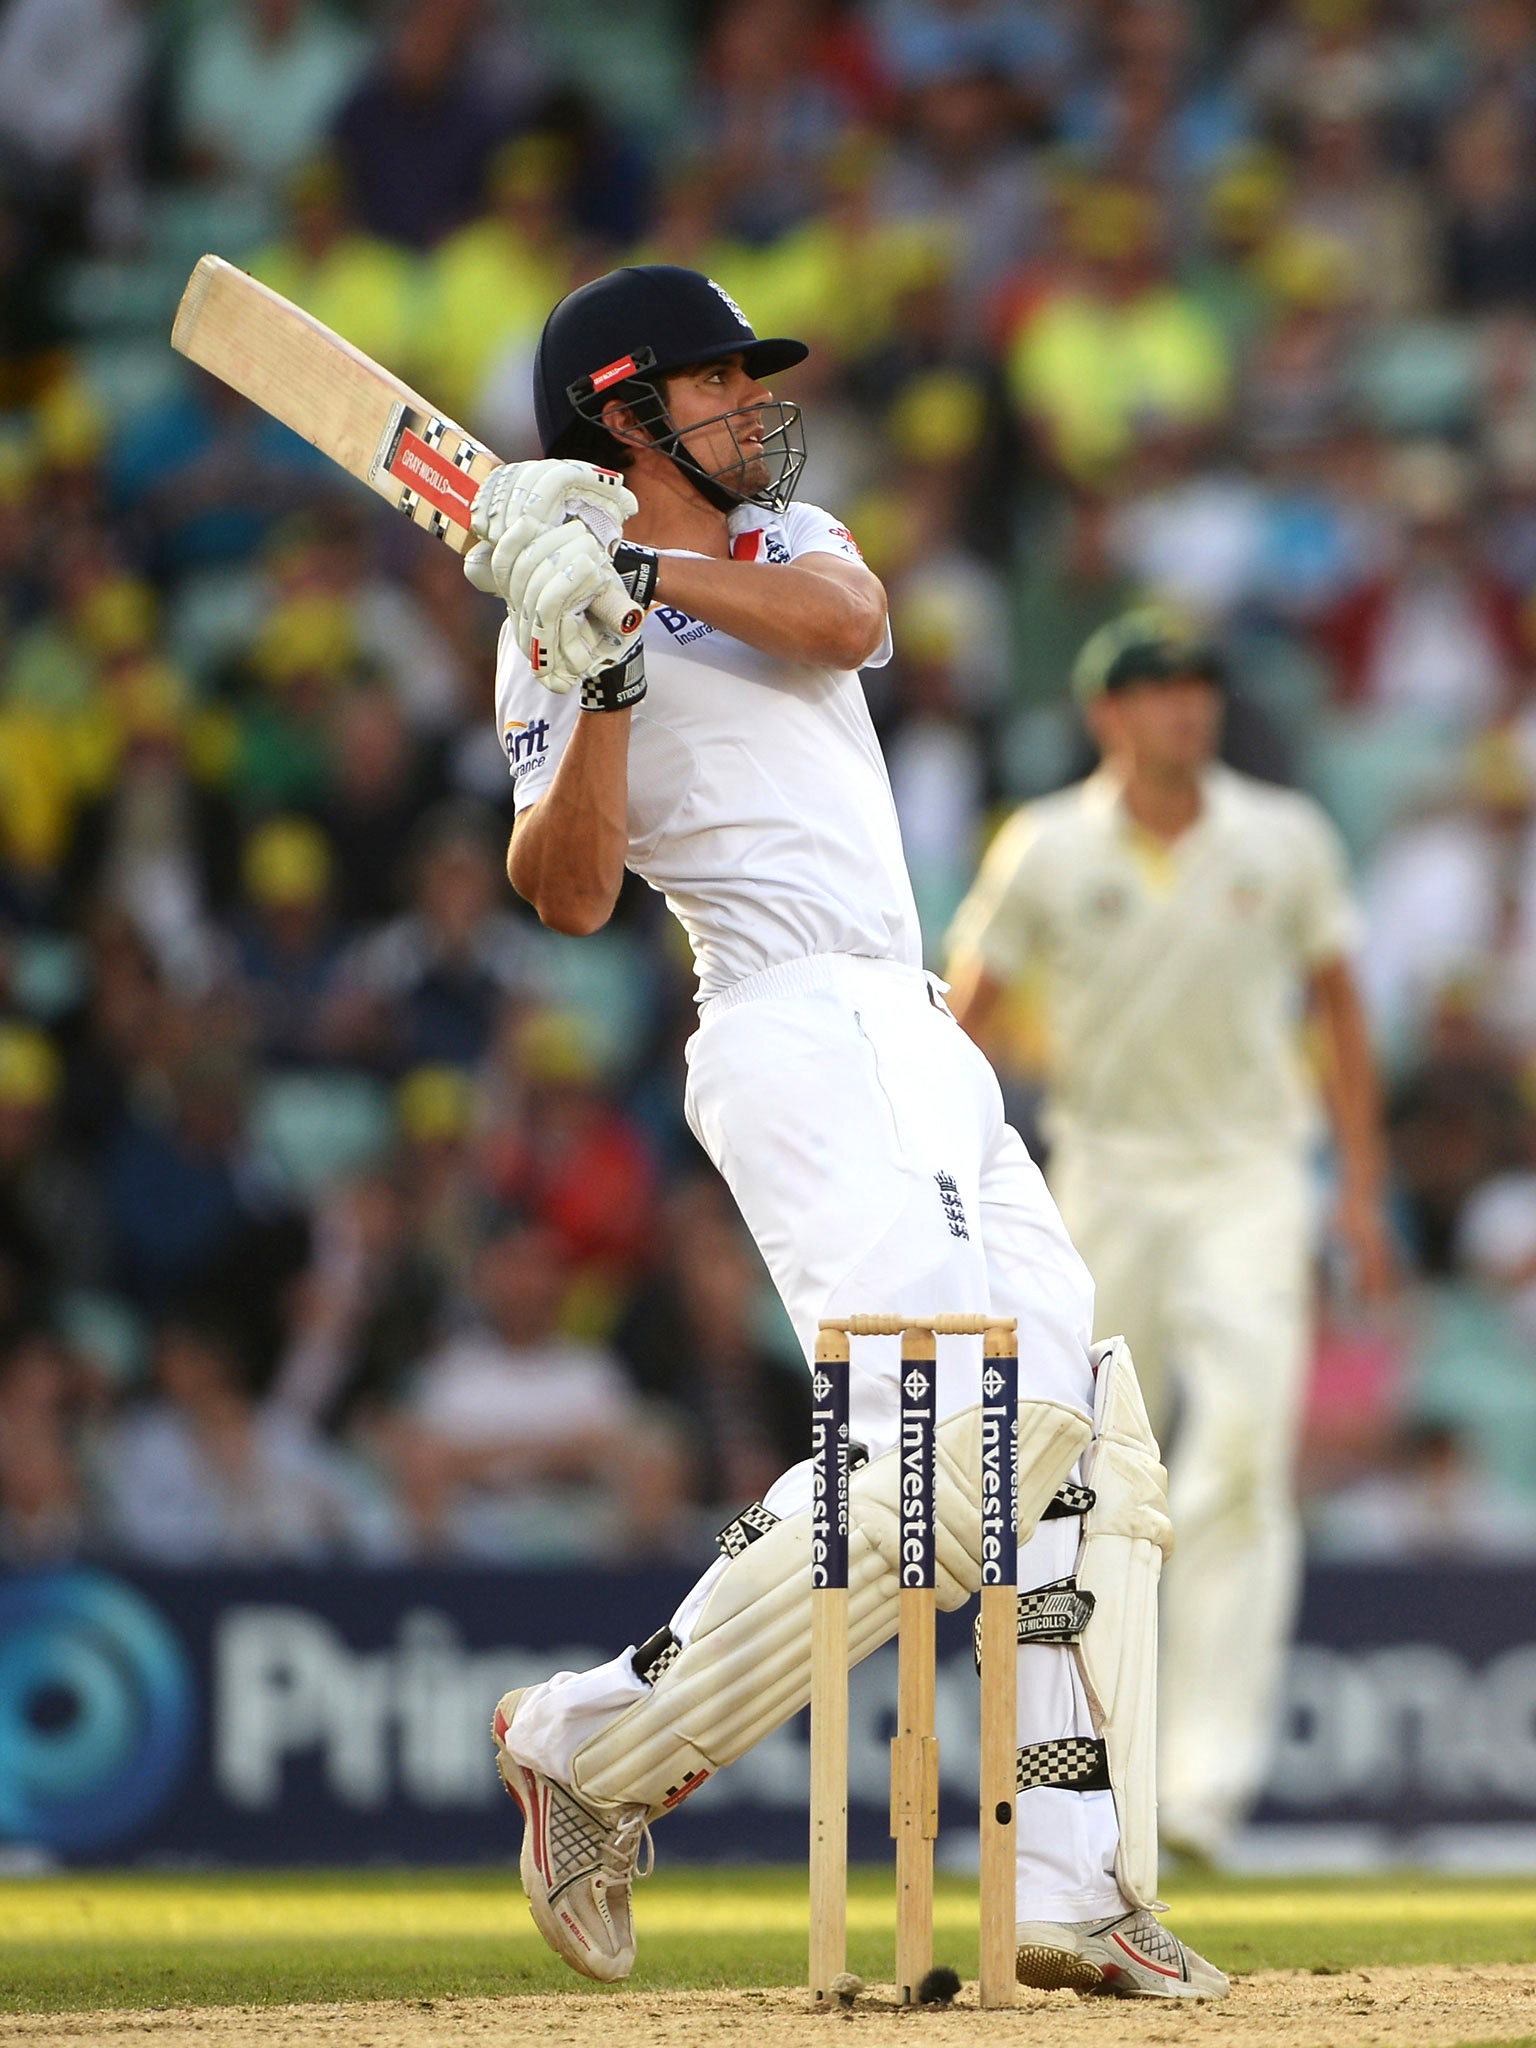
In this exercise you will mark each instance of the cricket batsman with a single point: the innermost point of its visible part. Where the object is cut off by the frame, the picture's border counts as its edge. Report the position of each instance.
(713, 737)
(1186, 921)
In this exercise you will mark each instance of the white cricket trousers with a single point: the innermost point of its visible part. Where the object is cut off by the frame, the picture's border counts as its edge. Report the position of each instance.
(862, 1135)
(1204, 1267)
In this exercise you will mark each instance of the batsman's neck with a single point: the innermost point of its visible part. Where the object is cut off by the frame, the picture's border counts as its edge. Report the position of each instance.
(672, 514)
(1163, 797)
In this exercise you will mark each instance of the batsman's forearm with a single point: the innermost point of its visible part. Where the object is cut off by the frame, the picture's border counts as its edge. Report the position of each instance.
(834, 615)
(567, 851)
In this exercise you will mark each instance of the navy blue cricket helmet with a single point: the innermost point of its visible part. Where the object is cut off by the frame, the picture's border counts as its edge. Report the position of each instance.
(621, 334)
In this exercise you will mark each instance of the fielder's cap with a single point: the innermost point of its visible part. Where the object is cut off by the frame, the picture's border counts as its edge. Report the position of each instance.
(1152, 644)
(646, 319)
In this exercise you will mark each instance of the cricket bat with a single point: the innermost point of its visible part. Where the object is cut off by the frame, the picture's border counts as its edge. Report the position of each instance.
(345, 404)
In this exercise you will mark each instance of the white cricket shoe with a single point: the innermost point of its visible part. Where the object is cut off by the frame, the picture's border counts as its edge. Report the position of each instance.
(578, 1861)
(1130, 1956)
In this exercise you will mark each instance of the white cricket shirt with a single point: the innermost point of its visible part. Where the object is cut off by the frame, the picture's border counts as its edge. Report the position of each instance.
(759, 804)
(1173, 975)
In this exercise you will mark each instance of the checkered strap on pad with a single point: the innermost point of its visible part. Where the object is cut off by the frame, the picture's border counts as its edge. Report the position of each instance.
(1073, 1763)
(745, 1528)
(658, 1653)
(1068, 1499)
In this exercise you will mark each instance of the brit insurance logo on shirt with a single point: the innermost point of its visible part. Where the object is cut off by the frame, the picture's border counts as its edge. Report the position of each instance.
(527, 745)
(683, 626)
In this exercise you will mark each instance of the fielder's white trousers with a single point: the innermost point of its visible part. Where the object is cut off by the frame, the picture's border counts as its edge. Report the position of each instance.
(1204, 1267)
(837, 1098)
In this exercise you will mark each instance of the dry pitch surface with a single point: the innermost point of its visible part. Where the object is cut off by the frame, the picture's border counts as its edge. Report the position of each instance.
(1400, 2008)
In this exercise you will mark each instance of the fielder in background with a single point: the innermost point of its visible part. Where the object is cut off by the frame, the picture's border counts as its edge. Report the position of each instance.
(1185, 921)
(714, 739)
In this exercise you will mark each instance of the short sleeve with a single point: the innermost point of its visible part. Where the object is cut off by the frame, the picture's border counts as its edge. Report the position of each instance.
(809, 530)
(1327, 923)
(534, 725)
(997, 923)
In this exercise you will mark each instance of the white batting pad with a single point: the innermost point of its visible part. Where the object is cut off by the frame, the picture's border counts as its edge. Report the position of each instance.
(1126, 1536)
(747, 1666)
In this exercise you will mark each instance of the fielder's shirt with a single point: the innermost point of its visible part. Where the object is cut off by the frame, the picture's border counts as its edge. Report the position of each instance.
(759, 804)
(1173, 972)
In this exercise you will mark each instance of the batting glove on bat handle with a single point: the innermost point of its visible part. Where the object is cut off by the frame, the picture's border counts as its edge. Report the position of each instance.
(638, 570)
(618, 614)
(545, 492)
(551, 588)
(520, 500)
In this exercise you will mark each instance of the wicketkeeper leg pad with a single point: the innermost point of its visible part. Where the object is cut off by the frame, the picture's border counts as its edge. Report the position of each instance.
(747, 1665)
(1126, 1536)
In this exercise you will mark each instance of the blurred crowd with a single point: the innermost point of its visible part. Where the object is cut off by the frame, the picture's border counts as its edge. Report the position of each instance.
(344, 1212)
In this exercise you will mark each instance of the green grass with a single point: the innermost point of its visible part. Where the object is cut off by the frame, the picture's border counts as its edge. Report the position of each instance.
(119, 1939)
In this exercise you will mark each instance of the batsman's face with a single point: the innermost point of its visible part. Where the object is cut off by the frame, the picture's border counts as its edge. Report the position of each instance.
(1168, 725)
(729, 448)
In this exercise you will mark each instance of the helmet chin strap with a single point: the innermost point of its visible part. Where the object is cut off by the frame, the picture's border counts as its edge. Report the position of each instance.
(711, 491)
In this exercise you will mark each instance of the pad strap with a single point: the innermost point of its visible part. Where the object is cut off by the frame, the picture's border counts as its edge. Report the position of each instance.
(1070, 1499)
(1072, 1763)
(1057, 1613)
(745, 1528)
(655, 1655)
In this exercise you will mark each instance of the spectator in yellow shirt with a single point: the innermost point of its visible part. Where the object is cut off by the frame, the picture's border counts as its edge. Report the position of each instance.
(1116, 345)
(367, 289)
(494, 281)
(841, 274)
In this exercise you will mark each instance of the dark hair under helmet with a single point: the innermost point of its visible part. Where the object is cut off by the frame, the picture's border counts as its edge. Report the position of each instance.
(620, 335)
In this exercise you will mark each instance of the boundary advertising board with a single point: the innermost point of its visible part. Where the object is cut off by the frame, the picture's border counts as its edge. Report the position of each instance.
(342, 1716)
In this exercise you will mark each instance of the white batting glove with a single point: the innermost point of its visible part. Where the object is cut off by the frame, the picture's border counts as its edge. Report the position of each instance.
(550, 585)
(521, 500)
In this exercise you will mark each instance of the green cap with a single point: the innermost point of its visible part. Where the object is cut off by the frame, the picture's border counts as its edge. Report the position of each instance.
(1151, 644)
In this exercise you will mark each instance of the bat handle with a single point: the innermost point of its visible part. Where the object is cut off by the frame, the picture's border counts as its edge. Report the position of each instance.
(619, 613)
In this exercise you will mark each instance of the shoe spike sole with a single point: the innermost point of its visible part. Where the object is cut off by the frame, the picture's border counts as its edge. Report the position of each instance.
(1056, 1969)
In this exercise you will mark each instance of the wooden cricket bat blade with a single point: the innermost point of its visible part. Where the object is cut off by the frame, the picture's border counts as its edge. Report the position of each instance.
(342, 402)
(185, 323)
(345, 404)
